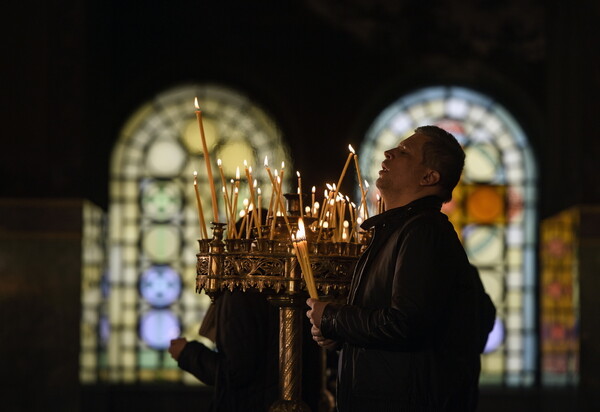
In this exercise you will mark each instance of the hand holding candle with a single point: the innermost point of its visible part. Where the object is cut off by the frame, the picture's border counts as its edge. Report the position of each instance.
(301, 247)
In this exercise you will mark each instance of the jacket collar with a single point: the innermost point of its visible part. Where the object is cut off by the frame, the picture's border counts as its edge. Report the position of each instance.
(398, 213)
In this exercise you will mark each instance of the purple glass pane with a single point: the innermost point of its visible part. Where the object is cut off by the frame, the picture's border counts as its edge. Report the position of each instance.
(158, 327)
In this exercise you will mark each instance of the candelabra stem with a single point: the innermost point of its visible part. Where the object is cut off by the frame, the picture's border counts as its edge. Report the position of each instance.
(290, 355)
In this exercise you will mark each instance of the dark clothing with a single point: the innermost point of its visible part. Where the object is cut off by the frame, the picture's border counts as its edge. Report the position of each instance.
(244, 369)
(409, 330)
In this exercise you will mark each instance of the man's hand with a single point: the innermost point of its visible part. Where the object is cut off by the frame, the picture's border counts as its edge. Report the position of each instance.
(322, 341)
(176, 347)
(316, 311)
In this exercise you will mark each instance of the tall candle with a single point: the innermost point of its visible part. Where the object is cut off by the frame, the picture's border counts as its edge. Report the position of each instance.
(213, 192)
(363, 198)
(366, 209)
(203, 231)
(259, 205)
(304, 260)
(300, 194)
(228, 210)
(312, 201)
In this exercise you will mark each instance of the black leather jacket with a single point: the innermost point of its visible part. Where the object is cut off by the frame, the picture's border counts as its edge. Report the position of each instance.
(405, 342)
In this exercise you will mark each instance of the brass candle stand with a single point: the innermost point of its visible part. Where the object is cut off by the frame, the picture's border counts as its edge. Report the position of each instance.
(271, 267)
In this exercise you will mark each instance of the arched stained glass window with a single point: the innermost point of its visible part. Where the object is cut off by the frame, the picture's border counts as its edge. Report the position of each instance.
(493, 210)
(154, 223)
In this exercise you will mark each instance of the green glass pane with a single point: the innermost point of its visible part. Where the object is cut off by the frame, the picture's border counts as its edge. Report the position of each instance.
(148, 358)
(161, 243)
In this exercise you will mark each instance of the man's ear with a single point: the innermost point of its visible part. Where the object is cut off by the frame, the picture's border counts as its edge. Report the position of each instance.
(431, 178)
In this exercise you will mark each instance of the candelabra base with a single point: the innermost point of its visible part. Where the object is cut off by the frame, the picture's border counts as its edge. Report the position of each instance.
(289, 406)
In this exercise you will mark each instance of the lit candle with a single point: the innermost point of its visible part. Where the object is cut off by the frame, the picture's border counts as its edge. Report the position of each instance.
(244, 217)
(213, 192)
(203, 231)
(280, 182)
(366, 206)
(302, 254)
(350, 155)
(363, 198)
(300, 193)
(259, 205)
(236, 190)
(228, 210)
(256, 214)
(246, 203)
(312, 202)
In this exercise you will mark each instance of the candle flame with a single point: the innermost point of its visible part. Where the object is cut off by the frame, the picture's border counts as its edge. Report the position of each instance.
(297, 173)
(255, 184)
(313, 189)
(329, 186)
(195, 174)
(237, 173)
(245, 163)
(282, 164)
(246, 202)
(250, 169)
(196, 103)
(266, 161)
(259, 192)
(300, 234)
(219, 162)
(366, 184)
(351, 149)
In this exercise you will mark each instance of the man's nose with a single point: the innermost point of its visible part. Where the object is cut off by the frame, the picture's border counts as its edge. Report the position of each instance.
(387, 154)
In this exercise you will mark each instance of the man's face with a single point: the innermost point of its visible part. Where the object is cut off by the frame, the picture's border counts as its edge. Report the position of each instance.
(403, 168)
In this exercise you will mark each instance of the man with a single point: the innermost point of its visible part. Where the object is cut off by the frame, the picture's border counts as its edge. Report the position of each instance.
(243, 369)
(411, 332)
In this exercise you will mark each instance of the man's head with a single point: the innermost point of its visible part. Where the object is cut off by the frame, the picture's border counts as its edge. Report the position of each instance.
(427, 163)
(443, 153)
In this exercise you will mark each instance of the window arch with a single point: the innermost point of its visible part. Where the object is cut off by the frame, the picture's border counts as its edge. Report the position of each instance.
(493, 209)
(154, 224)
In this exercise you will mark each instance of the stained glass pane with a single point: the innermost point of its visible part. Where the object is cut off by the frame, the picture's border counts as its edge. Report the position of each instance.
(154, 223)
(559, 300)
(493, 209)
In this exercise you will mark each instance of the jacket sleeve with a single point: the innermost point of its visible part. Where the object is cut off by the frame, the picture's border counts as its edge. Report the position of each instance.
(422, 270)
(200, 361)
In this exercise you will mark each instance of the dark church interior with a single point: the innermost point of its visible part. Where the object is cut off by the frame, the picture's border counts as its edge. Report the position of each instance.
(76, 71)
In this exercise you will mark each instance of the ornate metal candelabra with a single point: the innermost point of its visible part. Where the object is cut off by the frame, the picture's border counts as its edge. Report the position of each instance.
(272, 267)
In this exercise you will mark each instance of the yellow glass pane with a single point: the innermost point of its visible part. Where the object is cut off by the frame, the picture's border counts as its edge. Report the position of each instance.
(493, 362)
(233, 155)
(485, 204)
(482, 162)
